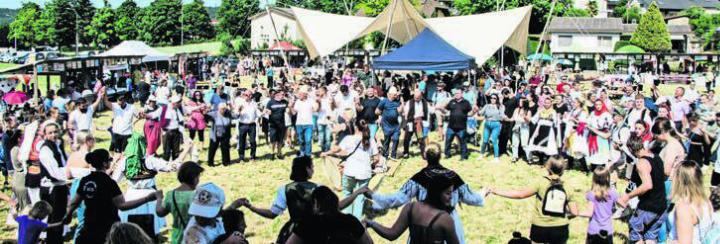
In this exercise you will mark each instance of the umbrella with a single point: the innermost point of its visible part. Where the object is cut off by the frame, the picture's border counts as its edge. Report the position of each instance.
(565, 62)
(630, 49)
(536, 56)
(15, 98)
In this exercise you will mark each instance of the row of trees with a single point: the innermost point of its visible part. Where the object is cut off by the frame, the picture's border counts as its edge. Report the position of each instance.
(60, 21)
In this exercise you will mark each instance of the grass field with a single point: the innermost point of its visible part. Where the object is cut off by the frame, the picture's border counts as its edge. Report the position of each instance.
(4, 66)
(493, 223)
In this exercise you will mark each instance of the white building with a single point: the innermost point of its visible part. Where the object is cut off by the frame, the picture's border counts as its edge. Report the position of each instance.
(599, 35)
(262, 33)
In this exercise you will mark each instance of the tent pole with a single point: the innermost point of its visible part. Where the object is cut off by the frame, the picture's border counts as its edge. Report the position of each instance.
(547, 23)
(282, 51)
(387, 31)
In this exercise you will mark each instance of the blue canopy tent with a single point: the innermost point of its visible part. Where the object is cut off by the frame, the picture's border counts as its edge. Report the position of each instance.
(427, 51)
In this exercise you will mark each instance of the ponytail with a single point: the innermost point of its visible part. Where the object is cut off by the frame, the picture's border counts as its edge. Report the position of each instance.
(362, 126)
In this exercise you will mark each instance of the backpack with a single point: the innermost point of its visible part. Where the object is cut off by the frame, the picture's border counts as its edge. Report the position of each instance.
(555, 200)
(135, 158)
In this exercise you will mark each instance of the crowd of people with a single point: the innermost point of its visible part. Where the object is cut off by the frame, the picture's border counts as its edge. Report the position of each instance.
(616, 133)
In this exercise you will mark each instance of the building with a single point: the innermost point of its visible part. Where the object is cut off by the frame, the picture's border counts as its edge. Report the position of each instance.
(673, 7)
(262, 33)
(599, 35)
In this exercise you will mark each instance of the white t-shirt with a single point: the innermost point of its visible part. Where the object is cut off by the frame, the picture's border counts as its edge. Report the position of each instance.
(304, 111)
(344, 102)
(122, 119)
(202, 235)
(358, 164)
(324, 113)
(249, 112)
(162, 94)
(83, 121)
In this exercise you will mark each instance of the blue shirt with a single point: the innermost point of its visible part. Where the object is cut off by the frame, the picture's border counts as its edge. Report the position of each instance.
(488, 84)
(389, 108)
(29, 229)
(48, 104)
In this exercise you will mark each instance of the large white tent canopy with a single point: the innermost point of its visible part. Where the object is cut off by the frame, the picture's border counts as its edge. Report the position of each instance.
(477, 35)
(135, 49)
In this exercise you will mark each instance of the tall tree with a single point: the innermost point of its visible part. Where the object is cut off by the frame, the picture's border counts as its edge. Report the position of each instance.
(44, 27)
(592, 8)
(4, 31)
(160, 23)
(577, 12)
(233, 15)
(128, 17)
(85, 10)
(102, 27)
(196, 21)
(65, 23)
(628, 11)
(21, 28)
(652, 34)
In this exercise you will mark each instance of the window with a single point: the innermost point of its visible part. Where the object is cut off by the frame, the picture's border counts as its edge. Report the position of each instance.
(605, 41)
(565, 41)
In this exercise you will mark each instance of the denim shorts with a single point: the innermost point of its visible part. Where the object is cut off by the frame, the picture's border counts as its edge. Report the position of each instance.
(639, 225)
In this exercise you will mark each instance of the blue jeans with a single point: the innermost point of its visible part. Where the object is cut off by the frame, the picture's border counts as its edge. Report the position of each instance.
(392, 133)
(492, 130)
(80, 212)
(450, 134)
(349, 185)
(304, 136)
(325, 135)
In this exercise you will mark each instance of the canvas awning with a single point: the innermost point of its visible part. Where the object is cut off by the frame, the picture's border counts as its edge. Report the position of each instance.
(415, 55)
(479, 35)
(135, 49)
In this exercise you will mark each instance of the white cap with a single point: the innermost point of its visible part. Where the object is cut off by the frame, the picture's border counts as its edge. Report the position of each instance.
(207, 201)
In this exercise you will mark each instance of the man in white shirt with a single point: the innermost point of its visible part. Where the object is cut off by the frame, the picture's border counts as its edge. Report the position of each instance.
(303, 108)
(173, 137)
(639, 113)
(248, 113)
(124, 115)
(53, 184)
(82, 117)
(679, 108)
(345, 99)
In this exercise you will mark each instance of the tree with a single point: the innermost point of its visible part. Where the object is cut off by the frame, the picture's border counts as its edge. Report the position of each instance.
(233, 16)
(652, 34)
(630, 13)
(160, 23)
(577, 12)
(21, 28)
(703, 24)
(328, 6)
(592, 8)
(66, 23)
(85, 10)
(44, 27)
(128, 16)
(4, 31)
(102, 27)
(196, 22)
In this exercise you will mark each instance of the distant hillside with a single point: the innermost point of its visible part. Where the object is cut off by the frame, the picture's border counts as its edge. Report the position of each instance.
(212, 11)
(7, 15)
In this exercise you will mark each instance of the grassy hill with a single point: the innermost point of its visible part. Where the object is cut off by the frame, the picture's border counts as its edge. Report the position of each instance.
(7, 15)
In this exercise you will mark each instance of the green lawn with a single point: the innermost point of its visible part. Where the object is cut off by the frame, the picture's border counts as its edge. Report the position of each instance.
(4, 66)
(493, 223)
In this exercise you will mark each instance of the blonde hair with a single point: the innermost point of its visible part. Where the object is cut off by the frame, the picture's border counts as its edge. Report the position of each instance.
(688, 184)
(127, 233)
(82, 137)
(601, 184)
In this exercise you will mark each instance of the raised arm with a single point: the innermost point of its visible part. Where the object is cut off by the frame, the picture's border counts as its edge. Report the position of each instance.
(514, 194)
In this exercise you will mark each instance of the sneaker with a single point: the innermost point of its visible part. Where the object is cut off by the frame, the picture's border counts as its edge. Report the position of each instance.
(496, 160)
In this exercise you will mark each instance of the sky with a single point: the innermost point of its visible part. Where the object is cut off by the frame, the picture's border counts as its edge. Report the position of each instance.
(15, 4)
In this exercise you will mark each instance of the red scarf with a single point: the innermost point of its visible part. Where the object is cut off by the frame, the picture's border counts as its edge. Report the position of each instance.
(592, 137)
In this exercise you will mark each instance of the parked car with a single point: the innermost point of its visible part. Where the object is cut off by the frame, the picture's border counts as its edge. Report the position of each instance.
(21, 57)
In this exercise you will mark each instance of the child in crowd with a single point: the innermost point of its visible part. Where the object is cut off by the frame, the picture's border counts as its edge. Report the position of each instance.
(30, 226)
(602, 198)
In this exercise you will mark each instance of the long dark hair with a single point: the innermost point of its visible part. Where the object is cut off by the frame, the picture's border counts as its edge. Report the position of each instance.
(326, 200)
(362, 126)
(664, 125)
(194, 96)
(435, 195)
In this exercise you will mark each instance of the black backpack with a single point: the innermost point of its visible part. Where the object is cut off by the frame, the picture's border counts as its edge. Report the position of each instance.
(555, 200)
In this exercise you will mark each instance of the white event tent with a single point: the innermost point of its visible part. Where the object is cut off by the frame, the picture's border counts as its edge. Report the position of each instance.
(478, 35)
(135, 49)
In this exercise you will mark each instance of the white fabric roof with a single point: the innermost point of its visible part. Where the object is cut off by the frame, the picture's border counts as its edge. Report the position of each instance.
(135, 49)
(490, 31)
(476, 35)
